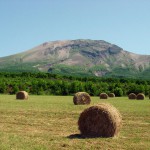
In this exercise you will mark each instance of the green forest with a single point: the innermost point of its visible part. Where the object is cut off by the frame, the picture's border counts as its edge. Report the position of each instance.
(54, 84)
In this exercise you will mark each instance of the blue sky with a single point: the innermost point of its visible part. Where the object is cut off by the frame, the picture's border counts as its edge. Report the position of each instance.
(28, 23)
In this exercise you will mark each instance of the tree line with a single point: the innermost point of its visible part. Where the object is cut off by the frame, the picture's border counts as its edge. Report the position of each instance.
(54, 84)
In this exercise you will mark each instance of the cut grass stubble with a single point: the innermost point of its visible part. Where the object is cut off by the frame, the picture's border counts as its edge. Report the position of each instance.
(50, 122)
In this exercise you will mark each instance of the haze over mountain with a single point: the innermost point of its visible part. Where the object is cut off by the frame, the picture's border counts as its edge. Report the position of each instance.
(79, 57)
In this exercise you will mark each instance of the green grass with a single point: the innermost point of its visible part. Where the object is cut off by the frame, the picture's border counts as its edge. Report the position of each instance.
(50, 123)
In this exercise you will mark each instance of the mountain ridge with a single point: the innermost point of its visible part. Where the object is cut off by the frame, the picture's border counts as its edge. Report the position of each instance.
(84, 57)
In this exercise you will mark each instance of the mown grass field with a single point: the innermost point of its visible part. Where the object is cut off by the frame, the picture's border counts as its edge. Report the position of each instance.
(50, 123)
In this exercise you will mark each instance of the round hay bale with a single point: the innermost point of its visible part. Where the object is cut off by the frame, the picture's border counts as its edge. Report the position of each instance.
(140, 96)
(81, 98)
(22, 95)
(103, 96)
(132, 96)
(102, 120)
(111, 95)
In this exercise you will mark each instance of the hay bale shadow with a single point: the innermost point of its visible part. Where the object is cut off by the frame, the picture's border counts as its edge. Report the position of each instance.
(80, 136)
(75, 136)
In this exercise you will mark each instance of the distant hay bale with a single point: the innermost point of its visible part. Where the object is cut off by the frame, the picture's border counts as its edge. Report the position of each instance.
(103, 96)
(22, 95)
(140, 96)
(111, 95)
(81, 98)
(132, 96)
(102, 120)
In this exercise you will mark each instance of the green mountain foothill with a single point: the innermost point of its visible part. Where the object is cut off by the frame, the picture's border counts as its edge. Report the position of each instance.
(79, 57)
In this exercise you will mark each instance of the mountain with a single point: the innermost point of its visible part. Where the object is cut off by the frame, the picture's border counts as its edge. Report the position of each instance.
(79, 57)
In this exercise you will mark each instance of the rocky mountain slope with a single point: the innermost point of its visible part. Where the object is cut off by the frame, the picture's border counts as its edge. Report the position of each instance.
(79, 57)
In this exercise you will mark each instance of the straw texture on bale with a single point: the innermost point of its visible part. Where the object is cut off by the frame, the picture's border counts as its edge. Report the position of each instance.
(22, 95)
(132, 96)
(140, 96)
(102, 120)
(81, 98)
(111, 95)
(103, 96)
